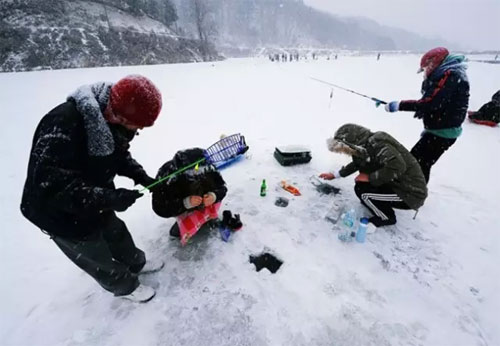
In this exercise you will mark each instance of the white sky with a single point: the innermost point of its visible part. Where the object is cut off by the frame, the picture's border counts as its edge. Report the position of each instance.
(474, 24)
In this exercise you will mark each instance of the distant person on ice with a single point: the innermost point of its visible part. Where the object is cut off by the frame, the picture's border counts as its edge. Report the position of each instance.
(193, 196)
(389, 176)
(489, 113)
(78, 149)
(443, 106)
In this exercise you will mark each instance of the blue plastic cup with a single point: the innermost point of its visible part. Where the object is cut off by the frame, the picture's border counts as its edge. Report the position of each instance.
(225, 233)
(361, 233)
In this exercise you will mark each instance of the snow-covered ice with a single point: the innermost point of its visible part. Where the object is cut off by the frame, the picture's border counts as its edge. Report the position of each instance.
(429, 281)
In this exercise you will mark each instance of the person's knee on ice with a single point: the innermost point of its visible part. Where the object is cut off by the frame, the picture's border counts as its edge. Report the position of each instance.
(78, 149)
(192, 192)
(389, 176)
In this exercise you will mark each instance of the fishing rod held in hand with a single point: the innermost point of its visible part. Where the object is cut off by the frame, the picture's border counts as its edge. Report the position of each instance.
(377, 101)
(159, 181)
(219, 154)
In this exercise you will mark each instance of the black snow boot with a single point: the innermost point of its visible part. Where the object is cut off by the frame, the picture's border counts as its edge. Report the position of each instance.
(175, 231)
(232, 222)
(236, 223)
(226, 217)
(380, 223)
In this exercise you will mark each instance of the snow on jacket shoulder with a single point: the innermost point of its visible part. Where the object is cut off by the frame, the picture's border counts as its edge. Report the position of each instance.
(168, 197)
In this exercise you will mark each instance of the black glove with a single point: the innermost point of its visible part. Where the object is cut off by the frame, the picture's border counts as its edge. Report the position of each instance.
(418, 115)
(122, 199)
(150, 181)
(144, 180)
(147, 181)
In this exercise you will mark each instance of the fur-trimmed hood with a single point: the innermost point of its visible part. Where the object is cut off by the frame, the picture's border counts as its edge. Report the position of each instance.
(91, 102)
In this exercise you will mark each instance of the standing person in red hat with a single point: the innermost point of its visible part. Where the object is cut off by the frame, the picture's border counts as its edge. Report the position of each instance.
(78, 149)
(443, 106)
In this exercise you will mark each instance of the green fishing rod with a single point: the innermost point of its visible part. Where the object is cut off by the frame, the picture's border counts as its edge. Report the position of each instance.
(183, 169)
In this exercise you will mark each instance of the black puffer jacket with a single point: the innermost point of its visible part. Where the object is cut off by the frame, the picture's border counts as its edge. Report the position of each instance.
(445, 96)
(67, 191)
(168, 197)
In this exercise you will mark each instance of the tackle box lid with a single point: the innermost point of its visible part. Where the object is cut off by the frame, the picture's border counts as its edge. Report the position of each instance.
(293, 149)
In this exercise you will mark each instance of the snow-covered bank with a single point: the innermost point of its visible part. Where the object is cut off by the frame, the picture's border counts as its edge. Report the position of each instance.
(429, 281)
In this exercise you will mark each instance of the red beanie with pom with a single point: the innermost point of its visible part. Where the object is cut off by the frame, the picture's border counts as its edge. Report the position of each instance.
(136, 99)
(432, 59)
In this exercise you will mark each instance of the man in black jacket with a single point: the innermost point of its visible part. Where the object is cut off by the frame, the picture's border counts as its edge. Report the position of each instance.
(78, 149)
(443, 106)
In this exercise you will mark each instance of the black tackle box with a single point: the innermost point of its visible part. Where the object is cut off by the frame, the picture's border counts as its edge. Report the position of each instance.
(292, 155)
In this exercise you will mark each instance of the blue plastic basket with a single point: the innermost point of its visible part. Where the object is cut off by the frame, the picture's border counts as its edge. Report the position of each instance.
(226, 150)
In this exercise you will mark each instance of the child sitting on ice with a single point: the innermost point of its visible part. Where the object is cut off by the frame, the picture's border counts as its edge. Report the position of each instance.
(489, 113)
(193, 196)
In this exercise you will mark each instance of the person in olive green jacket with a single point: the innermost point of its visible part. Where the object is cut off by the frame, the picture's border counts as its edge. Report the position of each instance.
(390, 177)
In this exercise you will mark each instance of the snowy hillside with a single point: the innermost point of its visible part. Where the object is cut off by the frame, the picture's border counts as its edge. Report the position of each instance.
(428, 281)
(252, 24)
(68, 34)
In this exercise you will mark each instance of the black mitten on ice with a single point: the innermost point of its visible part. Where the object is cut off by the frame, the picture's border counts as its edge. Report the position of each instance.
(122, 199)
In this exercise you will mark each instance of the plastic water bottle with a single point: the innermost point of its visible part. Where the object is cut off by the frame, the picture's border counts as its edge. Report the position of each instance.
(361, 233)
(347, 226)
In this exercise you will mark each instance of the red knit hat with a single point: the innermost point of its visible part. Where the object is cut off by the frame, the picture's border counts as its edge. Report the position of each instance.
(136, 100)
(432, 59)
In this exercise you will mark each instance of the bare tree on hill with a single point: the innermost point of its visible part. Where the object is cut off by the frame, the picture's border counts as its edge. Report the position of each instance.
(206, 29)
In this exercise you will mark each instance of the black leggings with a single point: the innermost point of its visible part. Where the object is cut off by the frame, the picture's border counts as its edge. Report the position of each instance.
(381, 201)
(429, 149)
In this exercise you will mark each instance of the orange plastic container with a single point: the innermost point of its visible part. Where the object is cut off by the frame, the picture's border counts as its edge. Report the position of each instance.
(290, 188)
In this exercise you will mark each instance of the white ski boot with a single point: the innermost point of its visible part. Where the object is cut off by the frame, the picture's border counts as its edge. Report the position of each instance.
(152, 266)
(142, 294)
(371, 228)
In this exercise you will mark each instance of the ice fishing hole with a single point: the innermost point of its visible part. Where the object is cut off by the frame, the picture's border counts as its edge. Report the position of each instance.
(266, 260)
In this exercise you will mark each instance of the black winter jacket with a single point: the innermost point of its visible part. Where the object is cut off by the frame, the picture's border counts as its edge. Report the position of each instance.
(445, 99)
(67, 191)
(168, 197)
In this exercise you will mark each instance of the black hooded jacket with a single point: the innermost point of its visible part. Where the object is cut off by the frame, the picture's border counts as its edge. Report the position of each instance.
(67, 191)
(168, 197)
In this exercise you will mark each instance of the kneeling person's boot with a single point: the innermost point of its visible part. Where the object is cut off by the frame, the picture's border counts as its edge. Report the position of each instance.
(378, 222)
(175, 231)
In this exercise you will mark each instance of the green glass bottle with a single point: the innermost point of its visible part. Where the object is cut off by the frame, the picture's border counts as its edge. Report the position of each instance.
(263, 188)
